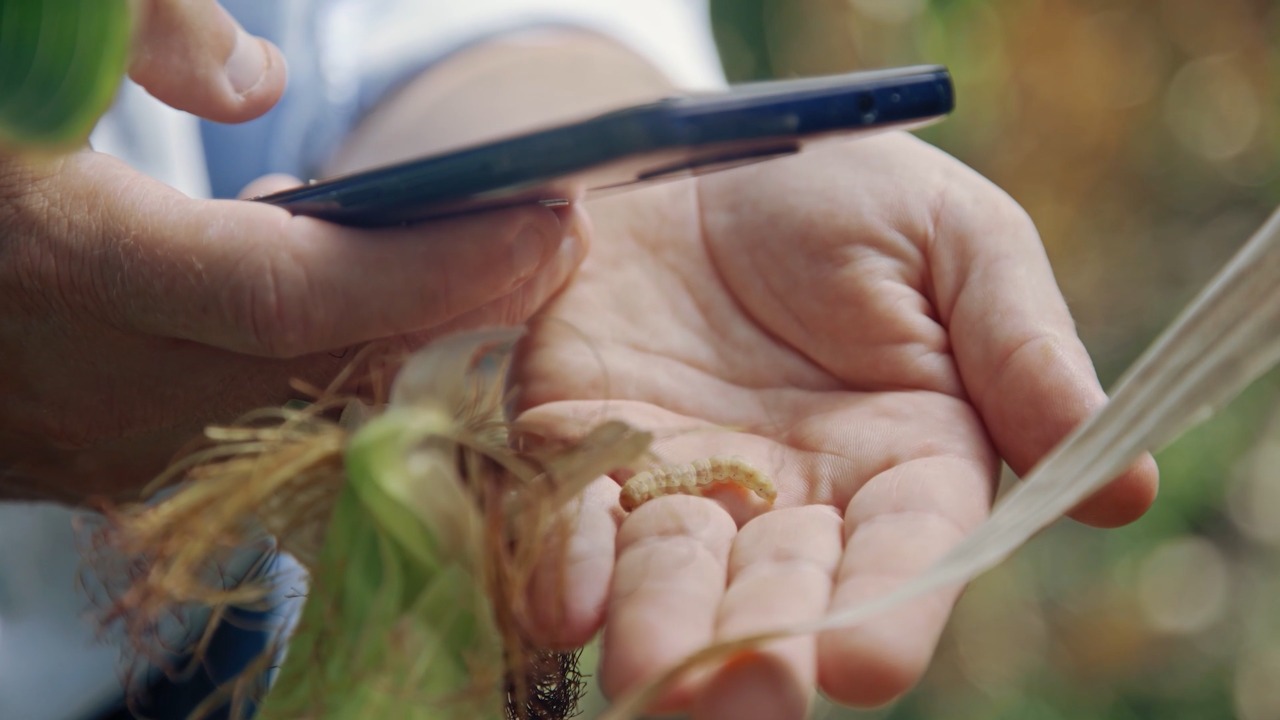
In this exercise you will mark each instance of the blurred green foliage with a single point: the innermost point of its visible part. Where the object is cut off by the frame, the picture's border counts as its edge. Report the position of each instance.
(1143, 137)
(60, 64)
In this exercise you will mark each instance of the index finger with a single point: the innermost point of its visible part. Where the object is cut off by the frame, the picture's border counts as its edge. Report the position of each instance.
(897, 526)
(668, 581)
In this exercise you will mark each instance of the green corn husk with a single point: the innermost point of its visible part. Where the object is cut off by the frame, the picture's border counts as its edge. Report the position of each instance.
(61, 62)
(397, 623)
(420, 529)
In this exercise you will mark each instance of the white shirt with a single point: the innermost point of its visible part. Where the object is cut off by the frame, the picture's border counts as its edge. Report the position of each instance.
(344, 56)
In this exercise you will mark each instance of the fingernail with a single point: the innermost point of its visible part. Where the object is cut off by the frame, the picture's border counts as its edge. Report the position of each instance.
(572, 250)
(573, 245)
(248, 63)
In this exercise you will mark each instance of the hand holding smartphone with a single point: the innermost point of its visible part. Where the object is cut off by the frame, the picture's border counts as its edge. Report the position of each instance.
(671, 138)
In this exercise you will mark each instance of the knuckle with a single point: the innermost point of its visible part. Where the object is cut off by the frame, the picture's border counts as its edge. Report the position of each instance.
(269, 305)
(517, 308)
(972, 199)
(1029, 355)
(1010, 216)
(684, 519)
(41, 270)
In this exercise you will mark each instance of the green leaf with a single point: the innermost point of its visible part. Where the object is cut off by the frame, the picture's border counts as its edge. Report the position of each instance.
(61, 62)
(397, 623)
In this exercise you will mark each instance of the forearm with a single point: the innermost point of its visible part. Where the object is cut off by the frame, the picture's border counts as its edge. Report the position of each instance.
(505, 86)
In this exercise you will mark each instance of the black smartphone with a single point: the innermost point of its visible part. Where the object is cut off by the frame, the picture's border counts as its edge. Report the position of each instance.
(671, 138)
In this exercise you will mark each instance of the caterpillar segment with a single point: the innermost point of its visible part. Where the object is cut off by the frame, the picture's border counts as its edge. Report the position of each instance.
(696, 478)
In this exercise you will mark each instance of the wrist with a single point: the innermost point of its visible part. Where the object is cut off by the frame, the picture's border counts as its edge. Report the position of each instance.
(505, 86)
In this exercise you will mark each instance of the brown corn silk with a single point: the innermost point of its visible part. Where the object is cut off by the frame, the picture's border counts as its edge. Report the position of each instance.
(419, 526)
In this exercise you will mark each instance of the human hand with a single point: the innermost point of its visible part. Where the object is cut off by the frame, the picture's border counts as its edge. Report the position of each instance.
(135, 315)
(870, 323)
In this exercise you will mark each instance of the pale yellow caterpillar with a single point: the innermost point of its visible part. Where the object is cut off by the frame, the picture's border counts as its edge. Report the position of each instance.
(693, 479)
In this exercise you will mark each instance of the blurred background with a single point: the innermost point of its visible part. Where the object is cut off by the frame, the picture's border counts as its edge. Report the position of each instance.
(1143, 136)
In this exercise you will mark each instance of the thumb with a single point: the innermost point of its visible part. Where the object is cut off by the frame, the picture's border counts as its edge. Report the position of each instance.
(193, 56)
(250, 278)
(268, 184)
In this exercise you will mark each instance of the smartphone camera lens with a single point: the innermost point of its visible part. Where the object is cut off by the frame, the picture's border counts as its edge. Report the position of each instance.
(867, 106)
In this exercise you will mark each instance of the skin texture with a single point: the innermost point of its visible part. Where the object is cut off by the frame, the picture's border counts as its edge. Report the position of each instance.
(870, 323)
(134, 315)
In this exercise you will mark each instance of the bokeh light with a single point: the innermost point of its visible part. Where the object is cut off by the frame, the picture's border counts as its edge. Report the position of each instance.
(1257, 686)
(1143, 137)
(1184, 586)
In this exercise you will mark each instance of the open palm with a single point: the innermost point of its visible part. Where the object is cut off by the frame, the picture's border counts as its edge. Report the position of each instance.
(869, 323)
